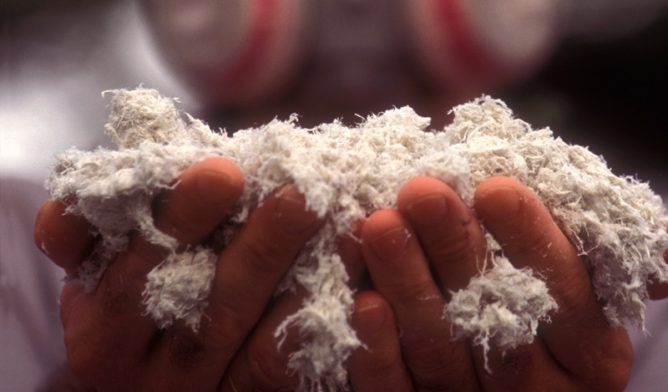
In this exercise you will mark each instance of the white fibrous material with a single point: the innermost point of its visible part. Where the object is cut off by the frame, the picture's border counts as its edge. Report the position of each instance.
(323, 318)
(492, 308)
(617, 223)
(178, 287)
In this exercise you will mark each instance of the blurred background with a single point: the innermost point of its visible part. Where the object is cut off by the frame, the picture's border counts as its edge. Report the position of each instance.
(56, 57)
(601, 81)
(594, 71)
(609, 93)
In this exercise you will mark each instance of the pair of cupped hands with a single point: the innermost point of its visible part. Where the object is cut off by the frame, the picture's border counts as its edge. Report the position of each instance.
(414, 255)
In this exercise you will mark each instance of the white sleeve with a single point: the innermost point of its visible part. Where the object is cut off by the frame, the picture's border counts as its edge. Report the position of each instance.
(31, 341)
(649, 365)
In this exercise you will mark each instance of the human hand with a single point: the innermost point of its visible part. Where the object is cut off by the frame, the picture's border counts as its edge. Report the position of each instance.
(656, 289)
(433, 244)
(112, 345)
(262, 363)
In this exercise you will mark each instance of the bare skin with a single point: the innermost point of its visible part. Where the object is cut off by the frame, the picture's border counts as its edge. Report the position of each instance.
(414, 255)
(111, 345)
(577, 351)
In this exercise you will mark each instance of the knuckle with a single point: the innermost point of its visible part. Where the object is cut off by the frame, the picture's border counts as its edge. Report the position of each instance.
(432, 366)
(420, 290)
(408, 293)
(612, 378)
(571, 291)
(83, 364)
(611, 366)
(520, 360)
(115, 299)
(265, 255)
(229, 328)
(381, 364)
(266, 364)
(95, 364)
(185, 349)
(518, 369)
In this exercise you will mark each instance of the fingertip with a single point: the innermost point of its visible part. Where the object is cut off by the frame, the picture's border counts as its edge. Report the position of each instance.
(446, 229)
(386, 236)
(499, 199)
(49, 211)
(425, 201)
(38, 230)
(64, 238)
(220, 164)
(656, 289)
(204, 194)
(380, 222)
(217, 181)
(418, 187)
(488, 187)
(498, 181)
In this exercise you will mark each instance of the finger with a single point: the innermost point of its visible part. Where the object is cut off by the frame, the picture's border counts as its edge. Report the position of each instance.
(65, 238)
(262, 362)
(98, 344)
(447, 230)
(659, 290)
(579, 337)
(350, 250)
(525, 368)
(378, 365)
(247, 274)
(202, 197)
(400, 273)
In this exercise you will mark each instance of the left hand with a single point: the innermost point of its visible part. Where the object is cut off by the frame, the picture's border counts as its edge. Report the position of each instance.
(433, 244)
(114, 345)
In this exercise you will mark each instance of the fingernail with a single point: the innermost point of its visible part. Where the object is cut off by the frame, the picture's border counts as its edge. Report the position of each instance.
(291, 211)
(369, 317)
(429, 210)
(503, 205)
(213, 187)
(39, 240)
(392, 244)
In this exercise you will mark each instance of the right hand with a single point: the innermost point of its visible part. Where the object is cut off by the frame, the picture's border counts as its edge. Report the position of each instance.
(112, 345)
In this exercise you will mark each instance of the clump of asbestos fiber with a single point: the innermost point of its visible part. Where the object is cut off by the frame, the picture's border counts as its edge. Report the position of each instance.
(617, 223)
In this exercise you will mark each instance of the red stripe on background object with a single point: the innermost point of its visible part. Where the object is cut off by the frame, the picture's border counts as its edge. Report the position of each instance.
(467, 52)
(247, 64)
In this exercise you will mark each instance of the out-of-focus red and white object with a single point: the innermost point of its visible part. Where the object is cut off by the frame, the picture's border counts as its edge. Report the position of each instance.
(239, 53)
(231, 52)
(478, 44)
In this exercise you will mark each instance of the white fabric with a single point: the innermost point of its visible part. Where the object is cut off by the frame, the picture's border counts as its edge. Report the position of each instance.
(649, 366)
(31, 334)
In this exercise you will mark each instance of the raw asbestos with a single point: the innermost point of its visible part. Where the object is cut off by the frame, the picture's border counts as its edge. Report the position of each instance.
(616, 223)
(492, 309)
